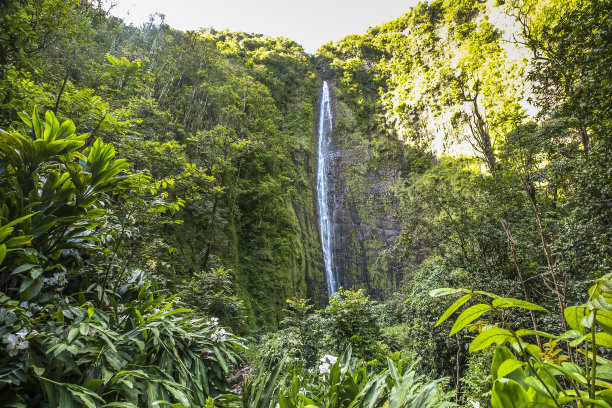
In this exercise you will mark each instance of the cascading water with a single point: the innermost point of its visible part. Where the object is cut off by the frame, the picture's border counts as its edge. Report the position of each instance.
(325, 131)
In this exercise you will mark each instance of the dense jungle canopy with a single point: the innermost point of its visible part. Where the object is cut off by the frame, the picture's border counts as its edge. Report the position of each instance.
(159, 234)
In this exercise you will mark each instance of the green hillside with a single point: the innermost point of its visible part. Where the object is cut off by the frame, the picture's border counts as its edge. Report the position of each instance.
(159, 232)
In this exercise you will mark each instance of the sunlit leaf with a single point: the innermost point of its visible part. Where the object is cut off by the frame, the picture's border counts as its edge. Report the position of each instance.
(489, 337)
(468, 316)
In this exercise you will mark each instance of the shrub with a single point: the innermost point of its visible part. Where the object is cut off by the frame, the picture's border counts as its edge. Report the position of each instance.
(352, 321)
(212, 292)
(526, 373)
(80, 325)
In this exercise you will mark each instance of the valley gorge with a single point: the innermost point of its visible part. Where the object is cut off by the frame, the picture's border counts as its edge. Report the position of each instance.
(418, 215)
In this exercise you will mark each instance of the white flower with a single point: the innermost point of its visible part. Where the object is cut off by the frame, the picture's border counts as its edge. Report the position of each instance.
(10, 339)
(302, 391)
(332, 359)
(324, 368)
(58, 279)
(135, 275)
(475, 404)
(16, 342)
(23, 305)
(219, 336)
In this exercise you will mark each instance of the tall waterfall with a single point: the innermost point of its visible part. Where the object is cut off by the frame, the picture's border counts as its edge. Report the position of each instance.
(325, 131)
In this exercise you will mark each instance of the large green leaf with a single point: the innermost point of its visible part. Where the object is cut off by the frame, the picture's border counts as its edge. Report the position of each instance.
(18, 241)
(452, 308)
(265, 394)
(574, 316)
(427, 397)
(444, 292)
(502, 353)
(468, 316)
(51, 127)
(18, 220)
(508, 367)
(604, 371)
(508, 394)
(509, 302)
(37, 124)
(30, 288)
(66, 129)
(604, 318)
(528, 332)
(489, 337)
(546, 389)
(602, 339)
(567, 369)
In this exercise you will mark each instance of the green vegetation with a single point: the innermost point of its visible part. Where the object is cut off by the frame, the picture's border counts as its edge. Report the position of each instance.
(473, 156)
(546, 376)
(159, 240)
(222, 121)
(81, 325)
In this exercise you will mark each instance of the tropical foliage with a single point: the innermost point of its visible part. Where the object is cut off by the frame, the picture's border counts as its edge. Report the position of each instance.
(343, 382)
(548, 374)
(157, 200)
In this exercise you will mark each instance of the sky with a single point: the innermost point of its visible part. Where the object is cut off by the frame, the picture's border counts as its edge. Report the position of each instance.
(310, 23)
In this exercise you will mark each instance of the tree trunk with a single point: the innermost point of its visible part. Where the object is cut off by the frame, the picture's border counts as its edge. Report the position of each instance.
(549, 260)
(211, 233)
(520, 275)
(61, 91)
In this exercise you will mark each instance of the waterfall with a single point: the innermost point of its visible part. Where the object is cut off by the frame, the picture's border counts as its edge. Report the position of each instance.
(325, 131)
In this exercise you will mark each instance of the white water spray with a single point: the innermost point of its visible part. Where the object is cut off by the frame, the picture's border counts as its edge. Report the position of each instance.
(325, 131)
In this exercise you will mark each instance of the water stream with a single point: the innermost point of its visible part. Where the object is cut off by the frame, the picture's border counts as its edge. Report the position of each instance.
(325, 131)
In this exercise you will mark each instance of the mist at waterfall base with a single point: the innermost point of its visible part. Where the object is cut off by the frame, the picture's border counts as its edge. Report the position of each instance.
(325, 222)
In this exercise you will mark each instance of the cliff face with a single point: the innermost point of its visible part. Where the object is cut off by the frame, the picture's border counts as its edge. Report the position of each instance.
(438, 81)
(266, 225)
(364, 168)
(279, 251)
(406, 89)
(414, 88)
